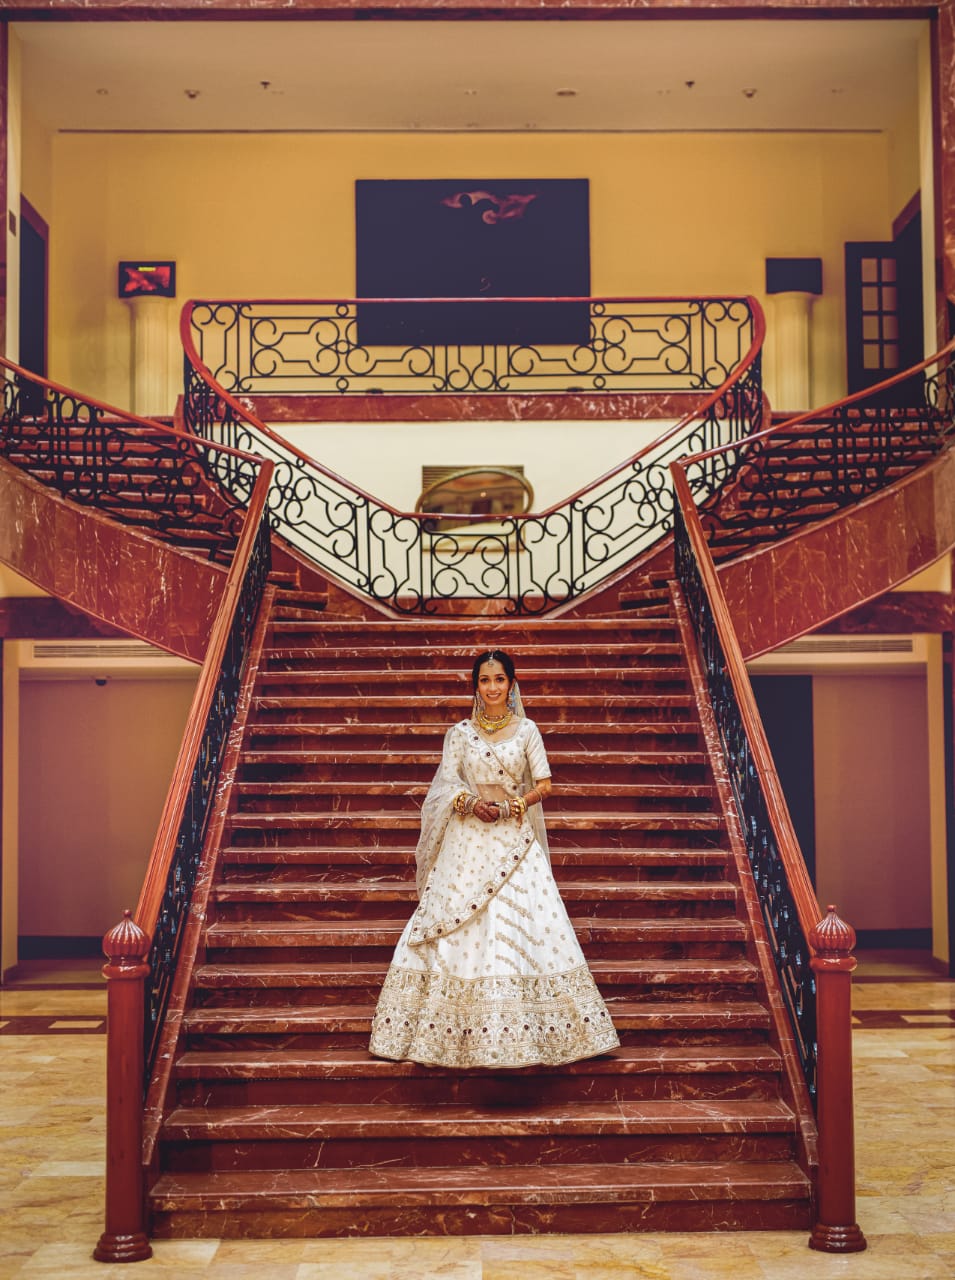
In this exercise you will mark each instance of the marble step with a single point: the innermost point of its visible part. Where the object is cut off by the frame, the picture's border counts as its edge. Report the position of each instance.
(358, 1064)
(588, 656)
(480, 633)
(631, 830)
(484, 1200)
(335, 976)
(374, 890)
(348, 1135)
(318, 1020)
(394, 716)
(343, 863)
(342, 760)
(318, 941)
(346, 797)
(633, 678)
(264, 1077)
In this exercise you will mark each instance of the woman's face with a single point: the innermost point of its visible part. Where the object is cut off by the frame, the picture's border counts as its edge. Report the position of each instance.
(493, 686)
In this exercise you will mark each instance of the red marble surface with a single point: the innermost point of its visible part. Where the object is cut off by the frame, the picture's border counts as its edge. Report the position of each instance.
(43, 618)
(784, 590)
(112, 572)
(897, 612)
(468, 408)
(471, 8)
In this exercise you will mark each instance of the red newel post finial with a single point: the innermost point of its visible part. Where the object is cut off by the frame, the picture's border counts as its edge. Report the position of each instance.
(835, 1229)
(124, 1240)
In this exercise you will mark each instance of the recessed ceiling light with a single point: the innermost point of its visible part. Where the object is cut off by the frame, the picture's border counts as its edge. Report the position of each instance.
(749, 93)
(104, 93)
(470, 93)
(566, 93)
(192, 93)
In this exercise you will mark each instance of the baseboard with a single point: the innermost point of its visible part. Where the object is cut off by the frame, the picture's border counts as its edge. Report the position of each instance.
(58, 947)
(894, 939)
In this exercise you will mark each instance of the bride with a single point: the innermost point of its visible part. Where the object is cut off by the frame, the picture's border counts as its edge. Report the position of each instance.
(488, 971)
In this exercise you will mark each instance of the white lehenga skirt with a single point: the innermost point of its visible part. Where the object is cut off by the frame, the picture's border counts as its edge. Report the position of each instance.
(488, 971)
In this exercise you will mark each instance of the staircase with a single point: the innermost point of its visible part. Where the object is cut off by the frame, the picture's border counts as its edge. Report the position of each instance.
(279, 1122)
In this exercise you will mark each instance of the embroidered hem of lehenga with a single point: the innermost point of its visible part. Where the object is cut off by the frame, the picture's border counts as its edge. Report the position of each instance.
(504, 1021)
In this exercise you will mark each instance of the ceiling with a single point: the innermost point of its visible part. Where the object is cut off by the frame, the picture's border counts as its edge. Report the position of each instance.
(459, 76)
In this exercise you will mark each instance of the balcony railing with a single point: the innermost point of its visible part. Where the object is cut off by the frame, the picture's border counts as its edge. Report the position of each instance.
(625, 345)
(531, 562)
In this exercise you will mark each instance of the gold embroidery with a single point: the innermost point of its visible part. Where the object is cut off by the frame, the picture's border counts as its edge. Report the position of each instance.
(503, 1021)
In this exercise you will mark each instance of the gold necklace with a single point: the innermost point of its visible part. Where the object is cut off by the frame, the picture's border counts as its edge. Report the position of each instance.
(492, 726)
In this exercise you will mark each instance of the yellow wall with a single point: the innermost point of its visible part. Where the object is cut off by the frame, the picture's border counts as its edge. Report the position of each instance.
(257, 215)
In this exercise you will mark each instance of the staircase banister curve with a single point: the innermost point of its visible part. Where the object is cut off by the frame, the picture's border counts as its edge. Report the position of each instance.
(814, 985)
(120, 418)
(803, 893)
(834, 406)
(157, 871)
(192, 355)
(536, 560)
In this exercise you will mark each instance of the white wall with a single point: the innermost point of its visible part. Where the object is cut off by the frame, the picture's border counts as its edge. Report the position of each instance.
(386, 458)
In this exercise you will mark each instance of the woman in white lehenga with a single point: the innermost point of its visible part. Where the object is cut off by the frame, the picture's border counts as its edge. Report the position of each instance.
(488, 971)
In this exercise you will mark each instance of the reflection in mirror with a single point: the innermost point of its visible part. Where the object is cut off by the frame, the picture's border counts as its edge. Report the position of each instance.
(494, 492)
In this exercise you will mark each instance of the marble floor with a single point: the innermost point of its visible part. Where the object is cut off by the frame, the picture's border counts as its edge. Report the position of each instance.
(51, 1163)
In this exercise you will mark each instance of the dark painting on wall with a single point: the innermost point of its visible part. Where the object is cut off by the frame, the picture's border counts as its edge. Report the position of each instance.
(473, 238)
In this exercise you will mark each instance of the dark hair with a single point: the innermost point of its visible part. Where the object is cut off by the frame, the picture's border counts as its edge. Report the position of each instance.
(492, 655)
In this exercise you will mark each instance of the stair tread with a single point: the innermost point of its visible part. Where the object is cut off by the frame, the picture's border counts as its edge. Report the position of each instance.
(327, 932)
(297, 755)
(363, 973)
(329, 855)
(348, 1063)
(409, 820)
(344, 787)
(480, 1184)
(268, 1019)
(650, 1115)
(396, 891)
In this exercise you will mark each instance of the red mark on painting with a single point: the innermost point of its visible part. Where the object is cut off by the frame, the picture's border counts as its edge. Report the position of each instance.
(505, 207)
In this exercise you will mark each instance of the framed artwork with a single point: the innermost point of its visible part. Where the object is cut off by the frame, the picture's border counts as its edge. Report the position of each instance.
(472, 238)
(138, 279)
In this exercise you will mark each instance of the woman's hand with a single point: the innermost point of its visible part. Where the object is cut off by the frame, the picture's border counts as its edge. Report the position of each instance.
(486, 810)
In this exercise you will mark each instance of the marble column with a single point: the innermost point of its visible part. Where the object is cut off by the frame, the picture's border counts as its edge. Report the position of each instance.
(151, 318)
(791, 345)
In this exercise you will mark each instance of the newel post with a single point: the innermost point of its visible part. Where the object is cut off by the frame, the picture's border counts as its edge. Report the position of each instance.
(835, 1229)
(124, 1239)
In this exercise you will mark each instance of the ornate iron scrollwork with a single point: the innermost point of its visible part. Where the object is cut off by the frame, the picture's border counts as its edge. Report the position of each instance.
(283, 348)
(790, 947)
(154, 479)
(167, 936)
(807, 469)
(533, 561)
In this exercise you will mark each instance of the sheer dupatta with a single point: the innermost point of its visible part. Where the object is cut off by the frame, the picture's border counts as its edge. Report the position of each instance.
(454, 775)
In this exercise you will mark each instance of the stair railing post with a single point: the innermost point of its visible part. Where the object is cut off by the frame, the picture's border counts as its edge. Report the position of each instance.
(124, 1239)
(835, 1229)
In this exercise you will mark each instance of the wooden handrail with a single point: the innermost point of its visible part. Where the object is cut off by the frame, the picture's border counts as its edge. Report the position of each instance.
(826, 411)
(157, 872)
(789, 850)
(829, 939)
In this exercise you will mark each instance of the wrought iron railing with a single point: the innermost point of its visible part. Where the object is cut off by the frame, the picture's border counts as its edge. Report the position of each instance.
(194, 785)
(811, 466)
(135, 471)
(624, 344)
(812, 954)
(760, 806)
(533, 562)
